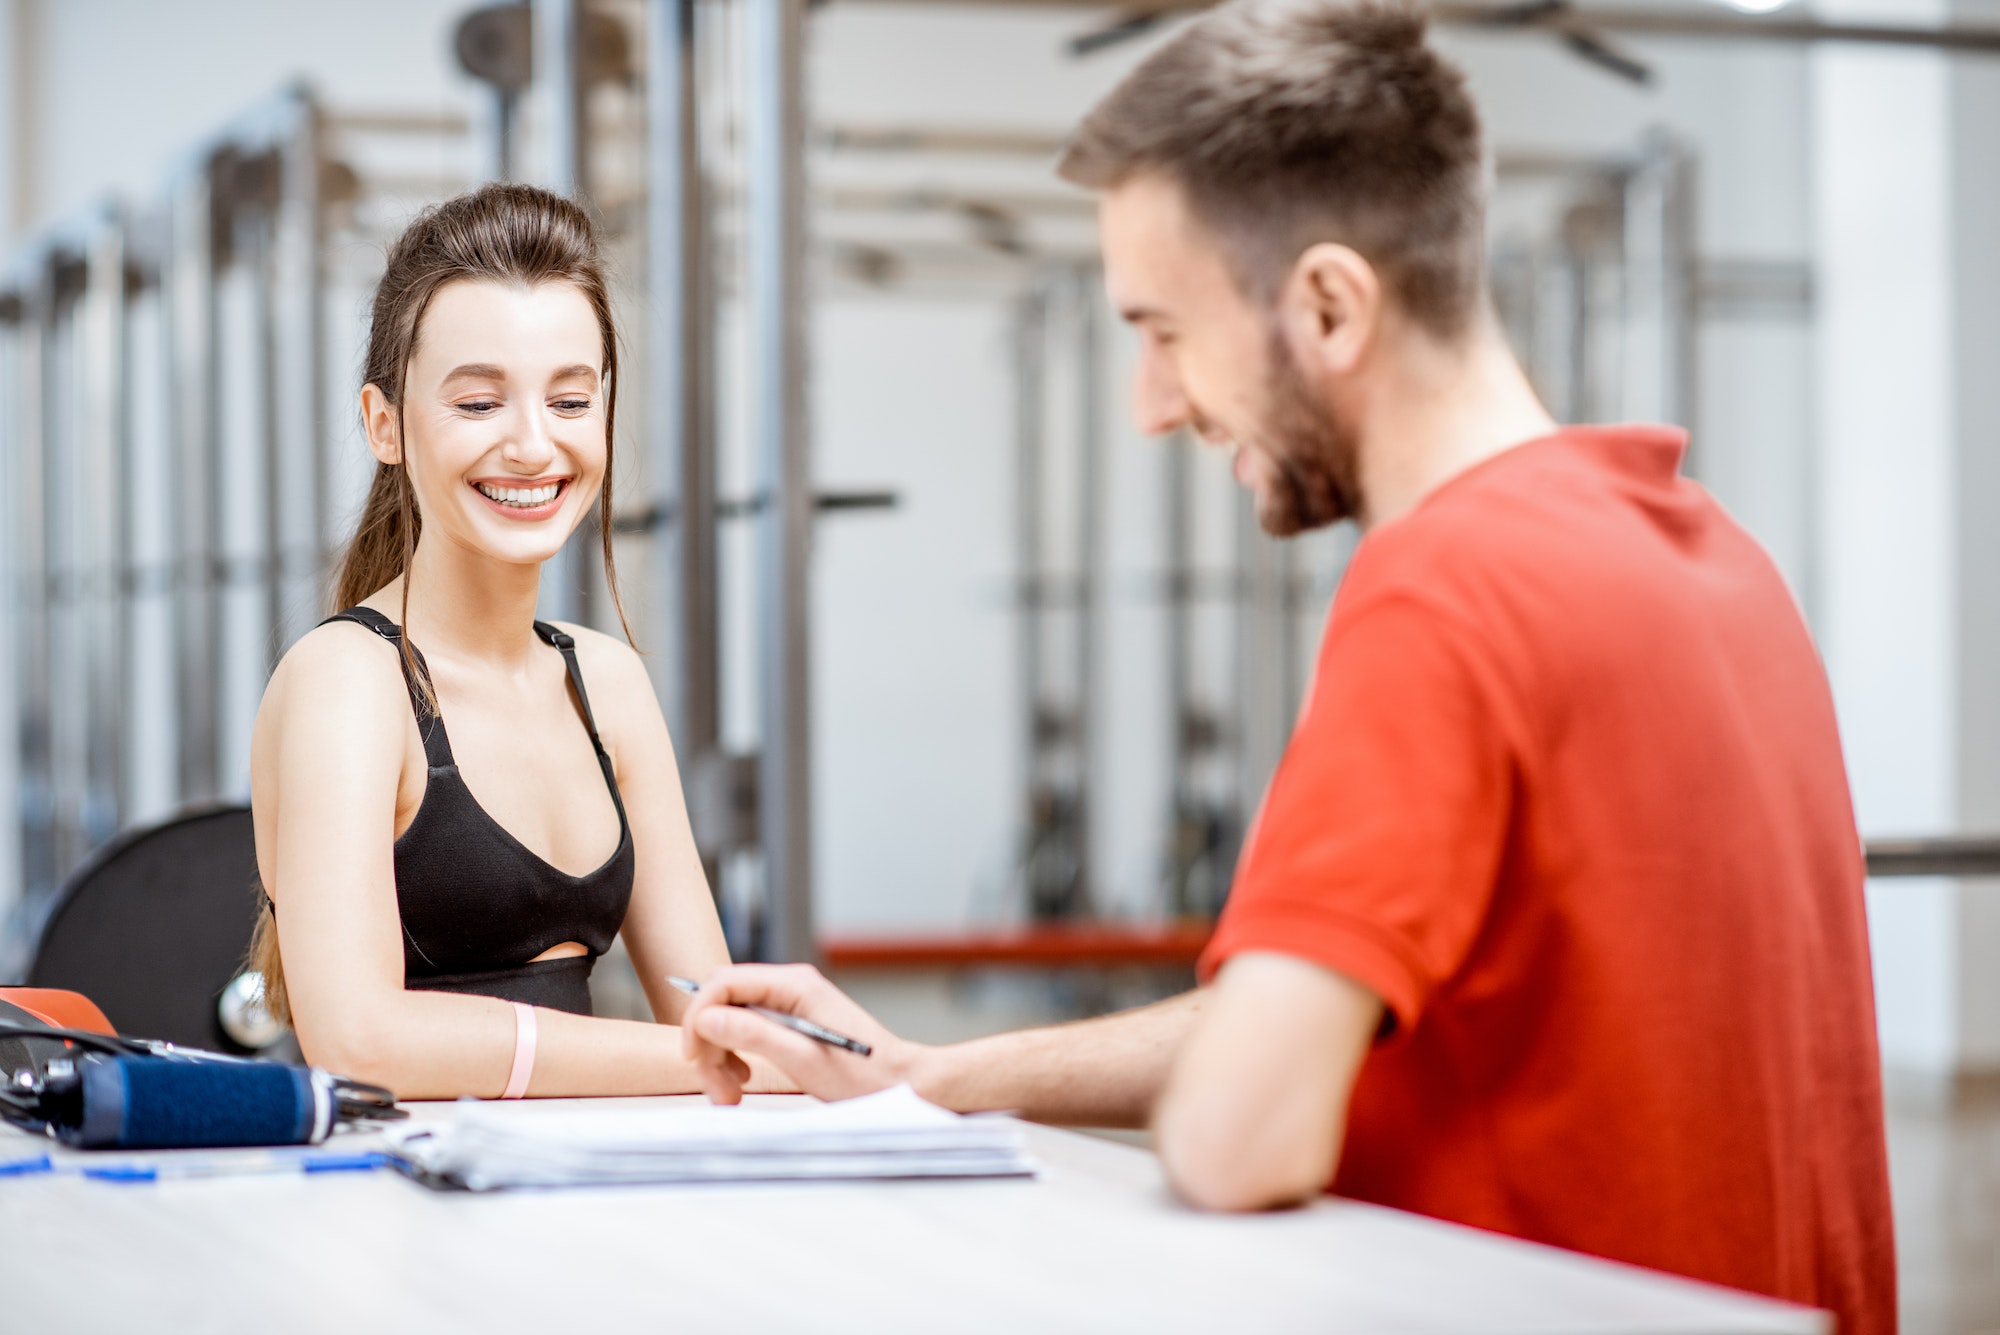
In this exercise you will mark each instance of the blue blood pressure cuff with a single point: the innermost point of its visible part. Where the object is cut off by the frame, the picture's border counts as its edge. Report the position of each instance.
(182, 1102)
(98, 1091)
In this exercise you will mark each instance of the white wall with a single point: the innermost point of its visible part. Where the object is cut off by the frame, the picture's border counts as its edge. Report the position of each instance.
(1906, 208)
(915, 780)
(130, 85)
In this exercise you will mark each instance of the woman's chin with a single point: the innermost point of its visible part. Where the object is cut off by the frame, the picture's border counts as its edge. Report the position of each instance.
(517, 548)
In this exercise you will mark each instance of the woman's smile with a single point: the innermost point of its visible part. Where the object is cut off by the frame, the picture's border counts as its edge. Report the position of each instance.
(524, 500)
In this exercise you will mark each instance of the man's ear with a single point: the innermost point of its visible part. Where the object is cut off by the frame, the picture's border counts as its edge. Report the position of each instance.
(1331, 307)
(378, 419)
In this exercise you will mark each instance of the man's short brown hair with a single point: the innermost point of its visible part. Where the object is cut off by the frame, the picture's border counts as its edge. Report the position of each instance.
(1291, 122)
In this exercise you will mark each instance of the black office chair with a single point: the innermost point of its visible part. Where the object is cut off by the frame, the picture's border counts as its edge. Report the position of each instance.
(154, 929)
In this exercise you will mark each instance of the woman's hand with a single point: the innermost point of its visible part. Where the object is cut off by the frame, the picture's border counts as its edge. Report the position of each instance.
(717, 1034)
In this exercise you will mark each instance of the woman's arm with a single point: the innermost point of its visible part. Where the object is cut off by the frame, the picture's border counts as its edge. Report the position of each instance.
(671, 927)
(330, 755)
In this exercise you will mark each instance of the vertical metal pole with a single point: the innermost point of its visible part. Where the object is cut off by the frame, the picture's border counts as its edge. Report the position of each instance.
(62, 485)
(257, 252)
(776, 203)
(1659, 261)
(1090, 573)
(302, 543)
(681, 351)
(558, 67)
(1261, 716)
(1030, 336)
(1181, 711)
(506, 120)
(105, 594)
(189, 292)
(1680, 255)
(141, 271)
(13, 395)
(31, 520)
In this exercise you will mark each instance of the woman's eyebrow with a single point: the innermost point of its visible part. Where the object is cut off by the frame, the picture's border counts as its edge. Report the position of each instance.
(574, 371)
(474, 371)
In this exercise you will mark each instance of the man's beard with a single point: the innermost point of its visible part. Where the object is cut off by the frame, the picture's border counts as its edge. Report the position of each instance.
(1318, 466)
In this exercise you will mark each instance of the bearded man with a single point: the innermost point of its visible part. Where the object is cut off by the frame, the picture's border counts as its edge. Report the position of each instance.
(1551, 922)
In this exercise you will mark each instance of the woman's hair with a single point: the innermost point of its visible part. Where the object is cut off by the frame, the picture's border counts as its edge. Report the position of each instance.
(514, 234)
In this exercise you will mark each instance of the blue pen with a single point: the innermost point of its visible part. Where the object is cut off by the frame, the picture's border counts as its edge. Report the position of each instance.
(217, 1166)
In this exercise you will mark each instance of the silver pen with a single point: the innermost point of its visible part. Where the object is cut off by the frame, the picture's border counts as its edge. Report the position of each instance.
(798, 1024)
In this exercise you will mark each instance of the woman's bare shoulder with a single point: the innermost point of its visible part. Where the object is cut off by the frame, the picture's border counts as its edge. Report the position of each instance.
(614, 673)
(339, 669)
(606, 656)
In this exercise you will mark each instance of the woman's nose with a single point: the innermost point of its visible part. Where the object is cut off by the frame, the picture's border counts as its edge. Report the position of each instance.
(532, 446)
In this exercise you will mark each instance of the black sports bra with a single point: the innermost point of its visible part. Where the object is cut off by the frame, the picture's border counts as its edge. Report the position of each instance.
(476, 904)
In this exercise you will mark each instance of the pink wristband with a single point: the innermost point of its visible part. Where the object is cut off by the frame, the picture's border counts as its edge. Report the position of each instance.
(524, 1051)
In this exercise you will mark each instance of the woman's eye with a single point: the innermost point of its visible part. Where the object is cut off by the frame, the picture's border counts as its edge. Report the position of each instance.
(479, 407)
(572, 405)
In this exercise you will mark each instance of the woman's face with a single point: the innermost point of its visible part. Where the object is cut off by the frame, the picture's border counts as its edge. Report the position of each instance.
(503, 415)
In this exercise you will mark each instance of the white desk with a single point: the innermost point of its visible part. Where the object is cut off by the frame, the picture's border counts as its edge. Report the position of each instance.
(1095, 1244)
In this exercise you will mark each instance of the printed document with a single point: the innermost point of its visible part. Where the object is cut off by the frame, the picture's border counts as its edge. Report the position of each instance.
(892, 1134)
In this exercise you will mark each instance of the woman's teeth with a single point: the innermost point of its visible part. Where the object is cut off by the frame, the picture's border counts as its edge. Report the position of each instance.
(527, 498)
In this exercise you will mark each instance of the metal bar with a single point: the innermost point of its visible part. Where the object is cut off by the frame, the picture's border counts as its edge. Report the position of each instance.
(443, 124)
(915, 139)
(1030, 447)
(775, 38)
(506, 115)
(301, 543)
(975, 141)
(190, 319)
(1090, 571)
(66, 537)
(257, 252)
(558, 67)
(1262, 712)
(13, 335)
(103, 595)
(1694, 23)
(1660, 329)
(31, 528)
(1966, 855)
(873, 199)
(1178, 527)
(1680, 248)
(1980, 40)
(681, 358)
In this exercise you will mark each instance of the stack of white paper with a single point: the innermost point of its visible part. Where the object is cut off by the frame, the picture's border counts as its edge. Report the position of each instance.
(886, 1135)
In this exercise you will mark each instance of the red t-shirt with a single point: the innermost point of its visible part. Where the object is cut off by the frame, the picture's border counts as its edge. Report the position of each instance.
(1567, 794)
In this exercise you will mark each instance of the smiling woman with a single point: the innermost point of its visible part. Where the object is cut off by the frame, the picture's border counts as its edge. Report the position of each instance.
(435, 898)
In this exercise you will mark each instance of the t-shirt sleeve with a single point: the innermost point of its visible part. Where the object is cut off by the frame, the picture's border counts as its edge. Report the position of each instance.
(1379, 841)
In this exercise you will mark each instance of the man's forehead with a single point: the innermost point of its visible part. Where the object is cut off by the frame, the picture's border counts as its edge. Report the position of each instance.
(1156, 256)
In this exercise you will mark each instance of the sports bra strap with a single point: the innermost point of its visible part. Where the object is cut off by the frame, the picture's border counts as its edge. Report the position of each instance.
(437, 743)
(566, 645)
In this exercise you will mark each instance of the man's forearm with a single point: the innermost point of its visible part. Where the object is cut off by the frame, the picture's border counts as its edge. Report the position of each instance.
(1102, 1072)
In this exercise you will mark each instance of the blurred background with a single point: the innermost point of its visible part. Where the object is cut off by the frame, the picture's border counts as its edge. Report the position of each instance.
(974, 688)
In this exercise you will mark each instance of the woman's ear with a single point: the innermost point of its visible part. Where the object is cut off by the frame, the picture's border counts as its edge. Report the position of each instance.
(378, 419)
(1332, 304)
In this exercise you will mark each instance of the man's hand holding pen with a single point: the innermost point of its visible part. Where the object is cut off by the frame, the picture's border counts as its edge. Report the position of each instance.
(718, 1032)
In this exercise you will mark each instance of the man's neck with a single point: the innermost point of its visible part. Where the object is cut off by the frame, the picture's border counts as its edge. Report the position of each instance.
(1438, 410)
